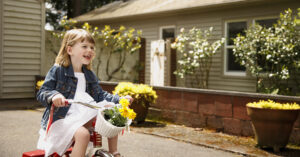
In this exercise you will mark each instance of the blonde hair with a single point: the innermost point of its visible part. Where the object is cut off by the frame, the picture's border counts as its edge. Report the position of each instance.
(70, 39)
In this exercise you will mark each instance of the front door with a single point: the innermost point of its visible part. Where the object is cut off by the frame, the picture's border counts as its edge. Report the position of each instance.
(157, 62)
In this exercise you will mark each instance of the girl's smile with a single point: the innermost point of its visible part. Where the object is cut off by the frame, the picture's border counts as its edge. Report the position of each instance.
(81, 53)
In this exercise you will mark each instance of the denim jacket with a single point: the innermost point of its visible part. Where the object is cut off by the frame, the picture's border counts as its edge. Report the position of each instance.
(62, 80)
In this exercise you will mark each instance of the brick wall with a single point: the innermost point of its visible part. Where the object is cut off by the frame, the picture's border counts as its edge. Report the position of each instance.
(221, 110)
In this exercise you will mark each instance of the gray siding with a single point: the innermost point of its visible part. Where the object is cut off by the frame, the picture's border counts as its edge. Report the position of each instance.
(204, 20)
(22, 46)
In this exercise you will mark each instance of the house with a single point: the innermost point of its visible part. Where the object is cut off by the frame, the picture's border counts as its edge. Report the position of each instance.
(161, 19)
(22, 46)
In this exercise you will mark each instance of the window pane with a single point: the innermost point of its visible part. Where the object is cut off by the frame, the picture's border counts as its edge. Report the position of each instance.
(266, 22)
(168, 33)
(231, 62)
(235, 28)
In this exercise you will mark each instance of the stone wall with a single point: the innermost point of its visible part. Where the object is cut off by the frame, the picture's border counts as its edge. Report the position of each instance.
(223, 111)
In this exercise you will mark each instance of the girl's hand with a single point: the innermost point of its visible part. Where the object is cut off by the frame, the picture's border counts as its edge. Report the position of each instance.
(129, 98)
(59, 100)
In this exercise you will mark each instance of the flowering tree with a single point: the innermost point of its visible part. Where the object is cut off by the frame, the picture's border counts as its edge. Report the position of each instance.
(120, 42)
(271, 54)
(196, 54)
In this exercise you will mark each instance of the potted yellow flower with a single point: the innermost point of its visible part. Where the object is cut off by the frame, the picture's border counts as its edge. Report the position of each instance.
(110, 122)
(143, 96)
(272, 122)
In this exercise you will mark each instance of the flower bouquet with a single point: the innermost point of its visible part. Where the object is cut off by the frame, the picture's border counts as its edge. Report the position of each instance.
(110, 122)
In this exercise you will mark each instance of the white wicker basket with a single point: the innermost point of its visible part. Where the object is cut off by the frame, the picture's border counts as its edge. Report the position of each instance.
(106, 129)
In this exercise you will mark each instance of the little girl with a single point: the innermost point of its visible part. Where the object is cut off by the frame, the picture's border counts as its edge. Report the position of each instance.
(71, 78)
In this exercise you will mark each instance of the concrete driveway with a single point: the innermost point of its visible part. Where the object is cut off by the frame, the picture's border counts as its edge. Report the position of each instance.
(19, 133)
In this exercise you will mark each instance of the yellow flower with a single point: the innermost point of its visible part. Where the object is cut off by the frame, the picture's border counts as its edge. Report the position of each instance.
(124, 102)
(131, 114)
(122, 28)
(274, 105)
(39, 84)
(124, 112)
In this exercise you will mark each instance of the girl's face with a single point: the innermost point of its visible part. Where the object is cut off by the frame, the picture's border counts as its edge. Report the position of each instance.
(81, 53)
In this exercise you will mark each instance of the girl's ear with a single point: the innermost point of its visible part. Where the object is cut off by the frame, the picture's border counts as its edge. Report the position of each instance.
(69, 50)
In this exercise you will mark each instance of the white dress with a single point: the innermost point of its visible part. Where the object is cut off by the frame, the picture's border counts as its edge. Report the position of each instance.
(61, 132)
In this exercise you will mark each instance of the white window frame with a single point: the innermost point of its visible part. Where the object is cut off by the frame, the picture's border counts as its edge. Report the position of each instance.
(164, 27)
(226, 47)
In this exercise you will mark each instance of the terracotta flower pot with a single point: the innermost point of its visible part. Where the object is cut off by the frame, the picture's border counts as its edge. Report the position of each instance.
(272, 127)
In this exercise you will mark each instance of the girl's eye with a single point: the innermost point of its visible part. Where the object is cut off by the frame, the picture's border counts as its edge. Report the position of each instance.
(84, 46)
(92, 48)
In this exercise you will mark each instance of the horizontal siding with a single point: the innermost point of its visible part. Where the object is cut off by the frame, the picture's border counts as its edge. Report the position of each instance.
(23, 67)
(31, 4)
(13, 90)
(21, 72)
(18, 84)
(22, 21)
(14, 95)
(22, 44)
(17, 79)
(22, 49)
(21, 61)
(22, 55)
(22, 38)
(22, 32)
(22, 27)
(22, 15)
(19, 9)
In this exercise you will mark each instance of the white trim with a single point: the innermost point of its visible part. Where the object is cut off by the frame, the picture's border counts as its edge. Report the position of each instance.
(226, 47)
(164, 27)
(43, 46)
(1, 44)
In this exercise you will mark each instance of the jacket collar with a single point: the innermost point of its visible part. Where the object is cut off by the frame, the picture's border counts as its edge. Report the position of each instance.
(69, 71)
(89, 77)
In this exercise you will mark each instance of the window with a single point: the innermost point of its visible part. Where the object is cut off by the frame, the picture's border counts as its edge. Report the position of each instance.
(266, 22)
(167, 32)
(232, 29)
(231, 67)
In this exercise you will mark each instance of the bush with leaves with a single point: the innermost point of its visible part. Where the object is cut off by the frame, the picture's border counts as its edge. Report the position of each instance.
(196, 54)
(271, 54)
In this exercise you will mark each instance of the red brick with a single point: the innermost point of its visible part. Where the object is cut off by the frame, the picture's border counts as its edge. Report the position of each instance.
(206, 104)
(162, 100)
(247, 129)
(168, 115)
(190, 102)
(198, 120)
(232, 126)
(215, 123)
(239, 107)
(183, 118)
(190, 119)
(223, 106)
(175, 100)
